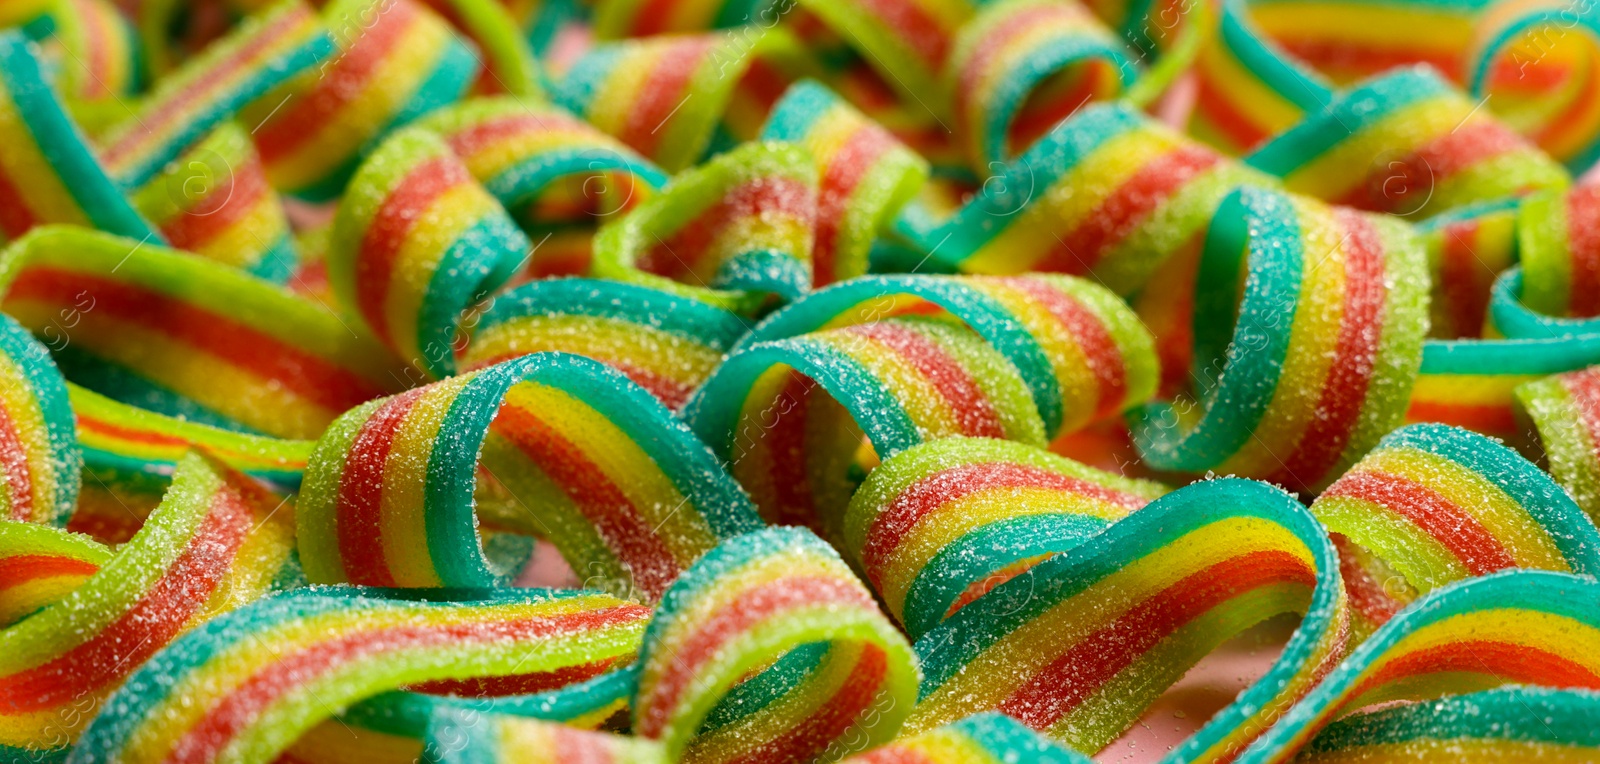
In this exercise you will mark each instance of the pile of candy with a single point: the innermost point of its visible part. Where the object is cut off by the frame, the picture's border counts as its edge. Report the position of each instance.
(898, 381)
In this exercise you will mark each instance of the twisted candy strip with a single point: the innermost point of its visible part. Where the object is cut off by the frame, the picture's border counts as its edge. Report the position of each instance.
(183, 336)
(1565, 410)
(1329, 326)
(37, 449)
(1514, 724)
(484, 739)
(396, 60)
(40, 565)
(666, 343)
(1515, 628)
(988, 738)
(244, 686)
(834, 675)
(49, 156)
(415, 243)
(1108, 193)
(1080, 644)
(216, 542)
(731, 232)
(615, 480)
(865, 175)
(941, 524)
(215, 202)
(1408, 144)
(1435, 505)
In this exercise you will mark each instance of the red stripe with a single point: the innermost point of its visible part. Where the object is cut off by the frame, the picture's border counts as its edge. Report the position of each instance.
(522, 684)
(345, 78)
(785, 438)
(1583, 241)
(153, 621)
(843, 172)
(764, 601)
(1093, 338)
(1436, 161)
(360, 511)
(233, 713)
(996, 39)
(1217, 107)
(1367, 595)
(1452, 526)
(684, 252)
(1125, 209)
(663, 92)
(150, 437)
(925, 496)
(1583, 388)
(618, 522)
(16, 217)
(407, 204)
(19, 474)
(921, 34)
(1079, 673)
(1463, 280)
(1487, 418)
(233, 199)
(1508, 663)
(313, 378)
(1359, 60)
(974, 413)
(486, 134)
(1355, 355)
(24, 568)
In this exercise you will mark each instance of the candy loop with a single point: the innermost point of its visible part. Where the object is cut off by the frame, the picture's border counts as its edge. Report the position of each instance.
(866, 175)
(1471, 383)
(1081, 643)
(415, 243)
(1435, 505)
(835, 676)
(1324, 344)
(1468, 248)
(621, 487)
(39, 566)
(666, 343)
(940, 524)
(1408, 144)
(734, 232)
(38, 450)
(1514, 628)
(790, 415)
(1021, 66)
(216, 542)
(245, 686)
(1108, 193)
(1565, 411)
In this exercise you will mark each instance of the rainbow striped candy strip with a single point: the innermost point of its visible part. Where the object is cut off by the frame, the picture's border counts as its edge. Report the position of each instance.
(1406, 143)
(1565, 410)
(267, 50)
(184, 336)
(1533, 628)
(1312, 364)
(1468, 248)
(666, 343)
(1513, 724)
(1559, 243)
(611, 477)
(1434, 504)
(1083, 642)
(770, 649)
(39, 457)
(672, 98)
(789, 415)
(1021, 66)
(215, 202)
(546, 166)
(1472, 383)
(245, 686)
(1084, 355)
(217, 541)
(938, 525)
(98, 55)
(475, 738)
(733, 232)
(987, 738)
(908, 43)
(395, 61)
(415, 243)
(40, 565)
(49, 172)
(865, 175)
(1109, 193)
(1248, 91)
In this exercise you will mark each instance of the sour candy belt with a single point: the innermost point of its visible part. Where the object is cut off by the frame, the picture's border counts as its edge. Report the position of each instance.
(39, 565)
(1078, 645)
(217, 541)
(824, 672)
(37, 435)
(243, 687)
(1565, 410)
(1559, 238)
(609, 475)
(1433, 504)
(939, 525)
(1323, 348)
